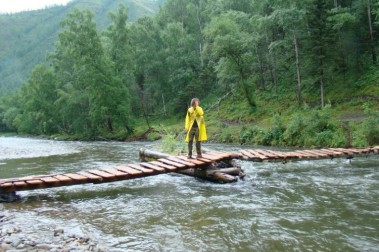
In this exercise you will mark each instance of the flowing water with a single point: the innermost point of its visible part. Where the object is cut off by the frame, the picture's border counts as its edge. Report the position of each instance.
(322, 205)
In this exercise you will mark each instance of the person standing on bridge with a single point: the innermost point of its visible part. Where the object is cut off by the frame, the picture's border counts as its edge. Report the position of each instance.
(195, 127)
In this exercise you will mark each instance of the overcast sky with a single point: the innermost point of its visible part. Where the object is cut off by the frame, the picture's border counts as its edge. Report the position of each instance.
(12, 6)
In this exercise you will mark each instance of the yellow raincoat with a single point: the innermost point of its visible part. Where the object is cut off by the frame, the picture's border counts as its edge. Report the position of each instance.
(198, 115)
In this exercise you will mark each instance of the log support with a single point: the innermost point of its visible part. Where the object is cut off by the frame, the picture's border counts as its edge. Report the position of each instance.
(224, 171)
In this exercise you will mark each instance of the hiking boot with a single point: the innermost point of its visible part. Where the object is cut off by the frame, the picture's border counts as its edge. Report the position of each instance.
(199, 156)
(189, 157)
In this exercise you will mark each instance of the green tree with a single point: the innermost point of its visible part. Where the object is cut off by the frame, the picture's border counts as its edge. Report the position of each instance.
(229, 44)
(119, 51)
(88, 93)
(319, 43)
(10, 108)
(290, 17)
(37, 100)
(148, 68)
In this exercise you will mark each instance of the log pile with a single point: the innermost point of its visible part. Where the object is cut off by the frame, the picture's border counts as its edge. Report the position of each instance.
(225, 171)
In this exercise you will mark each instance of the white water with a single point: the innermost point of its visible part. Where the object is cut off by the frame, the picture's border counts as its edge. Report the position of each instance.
(323, 205)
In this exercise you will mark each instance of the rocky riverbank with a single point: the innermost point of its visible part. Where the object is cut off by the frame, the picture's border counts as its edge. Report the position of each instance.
(16, 238)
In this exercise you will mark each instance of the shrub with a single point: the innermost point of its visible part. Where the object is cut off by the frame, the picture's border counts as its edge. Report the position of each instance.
(246, 135)
(170, 144)
(293, 135)
(153, 136)
(321, 128)
(274, 135)
(370, 126)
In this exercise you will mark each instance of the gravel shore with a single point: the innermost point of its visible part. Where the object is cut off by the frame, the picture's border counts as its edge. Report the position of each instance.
(16, 238)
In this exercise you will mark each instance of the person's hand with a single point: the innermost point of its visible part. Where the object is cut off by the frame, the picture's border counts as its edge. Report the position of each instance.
(196, 103)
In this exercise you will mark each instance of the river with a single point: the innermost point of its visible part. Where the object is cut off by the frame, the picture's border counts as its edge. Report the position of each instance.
(321, 205)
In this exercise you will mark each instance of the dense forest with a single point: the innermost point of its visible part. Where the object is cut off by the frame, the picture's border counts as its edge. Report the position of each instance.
(268, 72)
(26, 37)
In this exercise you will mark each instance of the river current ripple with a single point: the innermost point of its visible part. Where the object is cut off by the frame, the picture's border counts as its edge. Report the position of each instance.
(323, 205)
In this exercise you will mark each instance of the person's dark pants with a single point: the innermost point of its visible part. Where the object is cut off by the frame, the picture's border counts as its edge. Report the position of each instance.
(194, 133)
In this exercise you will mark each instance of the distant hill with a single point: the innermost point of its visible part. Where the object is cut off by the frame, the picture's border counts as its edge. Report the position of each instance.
(26, 37)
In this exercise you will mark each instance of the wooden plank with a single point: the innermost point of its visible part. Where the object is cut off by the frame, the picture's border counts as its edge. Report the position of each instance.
(278, 154)
(303, 154)
(204, 159)
(115, 172)
(294, 154)
(6, 184)
(267, 153)
(20, 184)
(34, 182)
(209, 161)
(77, 177)
(194, 161)
(178, 160)
(129, 170)
(221, 154)
(226, 154)
(63, 178)
(154, 167)
(92, 177)
(103, 174)
(362, 150)
(257, 154)
(5, 181)
(27, 178)
(331, 152)
(37, 184)
(375, 149)
(368, 150)
(289, 155)
(318, 153)
(213, 157)
(169, 162)
(166, 166)
(344, 151)
(248, 154)
(7, 187)
(142, 169)
(50, 180)
(355, 151)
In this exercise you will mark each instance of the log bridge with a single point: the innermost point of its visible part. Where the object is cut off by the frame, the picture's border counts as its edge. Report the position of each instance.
(205, 167)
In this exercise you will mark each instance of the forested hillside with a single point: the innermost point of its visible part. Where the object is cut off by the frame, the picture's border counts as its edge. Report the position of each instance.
(27, 37)
(268, 72)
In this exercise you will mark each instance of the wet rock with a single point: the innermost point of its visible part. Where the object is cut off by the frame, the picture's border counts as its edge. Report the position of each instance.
(16, 241)
(43, 246)
(69, 240)
(21, 246)
(99, 248)
(85, 239)
(71, 236)
(5, 247)
(58, 232)
(30, 243)
(55, 248)
(8, 241)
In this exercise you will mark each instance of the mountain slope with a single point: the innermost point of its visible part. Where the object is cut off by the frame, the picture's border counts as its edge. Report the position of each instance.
(27, 37)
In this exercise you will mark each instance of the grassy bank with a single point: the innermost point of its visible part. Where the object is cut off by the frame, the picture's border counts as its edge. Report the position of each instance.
(276, 121)
(281, 122)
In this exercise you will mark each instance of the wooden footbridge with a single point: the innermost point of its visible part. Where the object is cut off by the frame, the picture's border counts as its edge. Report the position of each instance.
(170, 164)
